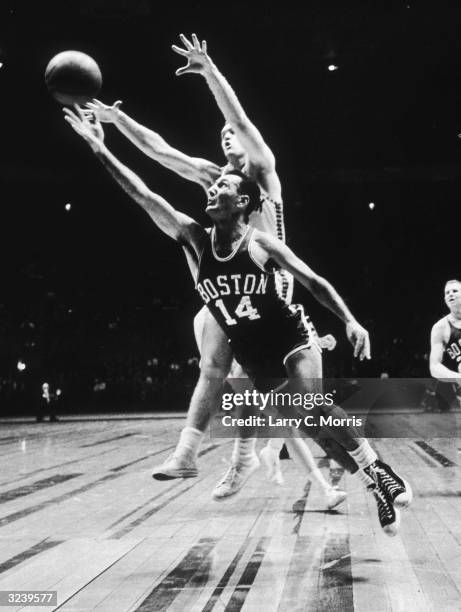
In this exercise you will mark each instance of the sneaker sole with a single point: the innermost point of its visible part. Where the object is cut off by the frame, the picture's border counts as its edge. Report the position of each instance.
(175, 474)
(404, 499)
(224, 497)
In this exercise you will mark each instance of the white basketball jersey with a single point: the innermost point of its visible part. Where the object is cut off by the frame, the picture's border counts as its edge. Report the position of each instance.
(270, 219)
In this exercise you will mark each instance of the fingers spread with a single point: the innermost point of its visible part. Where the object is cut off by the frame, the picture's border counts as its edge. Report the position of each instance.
(69, 113)
(79, 111)
(186, 43)
(179, 50)
(73, 123)
(196, 42)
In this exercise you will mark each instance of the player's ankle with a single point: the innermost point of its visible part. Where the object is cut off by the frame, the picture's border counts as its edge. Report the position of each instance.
(189, 444)
(244, 451)
(363, 455)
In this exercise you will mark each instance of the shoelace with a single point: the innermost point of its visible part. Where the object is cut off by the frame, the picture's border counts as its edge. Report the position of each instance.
(229, 475)
(384, 508)
(388, 482)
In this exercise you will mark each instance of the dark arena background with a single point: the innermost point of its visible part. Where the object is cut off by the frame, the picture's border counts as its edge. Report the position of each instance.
(361, 104)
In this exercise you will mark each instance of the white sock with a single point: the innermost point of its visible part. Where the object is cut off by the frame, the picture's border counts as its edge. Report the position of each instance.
(275, 444)
(301, 454)
(244, 450)
(364, 478)
(364, 455)
(189, 443)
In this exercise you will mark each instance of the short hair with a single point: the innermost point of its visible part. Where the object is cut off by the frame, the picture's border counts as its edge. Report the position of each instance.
(225, 128)
(249, 188)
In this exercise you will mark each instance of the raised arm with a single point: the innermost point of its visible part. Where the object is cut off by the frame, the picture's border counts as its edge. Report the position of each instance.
(438, 343)
(175, 224)
(321, 289)
(198, 61)
(194, 169)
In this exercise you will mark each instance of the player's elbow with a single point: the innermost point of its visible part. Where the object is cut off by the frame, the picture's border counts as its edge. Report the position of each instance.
(434, 368)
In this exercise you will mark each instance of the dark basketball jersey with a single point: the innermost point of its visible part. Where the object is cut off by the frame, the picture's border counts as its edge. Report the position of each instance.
(244, 298)
(452, 354)
(270, 219)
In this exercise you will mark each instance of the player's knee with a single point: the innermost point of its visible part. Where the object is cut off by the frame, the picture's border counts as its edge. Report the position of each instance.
(214, 366)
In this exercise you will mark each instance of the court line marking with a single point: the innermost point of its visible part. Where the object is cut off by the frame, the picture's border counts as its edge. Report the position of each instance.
(156, 509)
(435, 454)
(25, 555)
(36, 486)
(161, 596)
(121, 437)
(222, 584)
(16, 516)
(248, 577)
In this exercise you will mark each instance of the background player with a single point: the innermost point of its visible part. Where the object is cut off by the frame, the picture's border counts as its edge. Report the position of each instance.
(268, 337)
(445, 355)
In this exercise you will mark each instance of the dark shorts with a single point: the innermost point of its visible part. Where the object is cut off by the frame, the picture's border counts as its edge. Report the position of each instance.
(264, 358)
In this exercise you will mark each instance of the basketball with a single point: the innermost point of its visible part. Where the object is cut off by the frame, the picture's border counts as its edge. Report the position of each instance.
(73, 77)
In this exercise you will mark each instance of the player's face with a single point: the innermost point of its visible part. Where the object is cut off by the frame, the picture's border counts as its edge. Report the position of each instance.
(453, 295)
(231, 144)
(224, 198)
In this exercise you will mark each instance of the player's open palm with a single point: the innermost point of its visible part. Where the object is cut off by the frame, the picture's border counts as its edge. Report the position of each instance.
(360, 340)
(103, 112)
(195, 53)
(87, 127)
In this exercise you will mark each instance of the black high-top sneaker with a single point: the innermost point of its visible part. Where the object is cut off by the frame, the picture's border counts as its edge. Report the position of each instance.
(398, 489)
(389, 516)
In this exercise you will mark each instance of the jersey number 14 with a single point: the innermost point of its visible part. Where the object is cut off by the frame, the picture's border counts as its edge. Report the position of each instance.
(244, 309)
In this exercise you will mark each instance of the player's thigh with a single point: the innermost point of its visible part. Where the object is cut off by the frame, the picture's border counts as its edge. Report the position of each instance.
(199, 326)
(215, 350)
(305, 369)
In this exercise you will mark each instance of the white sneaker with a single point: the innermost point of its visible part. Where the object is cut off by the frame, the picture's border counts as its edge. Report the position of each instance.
(175, 467)
(271, 461)
(334, 496)
(234, 479)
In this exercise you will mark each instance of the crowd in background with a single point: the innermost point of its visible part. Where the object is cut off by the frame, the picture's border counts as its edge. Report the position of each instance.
(143, 356)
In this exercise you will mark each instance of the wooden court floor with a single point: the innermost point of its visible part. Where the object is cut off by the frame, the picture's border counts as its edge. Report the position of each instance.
(81, 515)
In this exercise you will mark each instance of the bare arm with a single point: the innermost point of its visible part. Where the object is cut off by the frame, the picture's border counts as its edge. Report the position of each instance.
(175, 224)
(321, 289)
(259, 154)
(194, 169)
(438, 343)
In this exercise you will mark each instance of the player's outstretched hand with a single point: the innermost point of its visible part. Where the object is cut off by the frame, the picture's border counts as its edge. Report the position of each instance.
(360, 340)
(88, 127)
(103, 112)
(196, 54)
